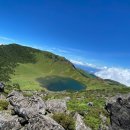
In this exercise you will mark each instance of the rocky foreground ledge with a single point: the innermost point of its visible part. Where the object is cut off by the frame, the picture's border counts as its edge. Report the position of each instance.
(28, 113)
(34, 113)
(119, 109)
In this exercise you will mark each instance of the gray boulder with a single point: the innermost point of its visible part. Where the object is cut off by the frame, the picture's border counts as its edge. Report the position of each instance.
(56, 105)
(90, 104)
(30, 113)
(9, 122)
(67, 99)
(119, 110)
(42, 122)
(80, 125)
(37, 122)
(26, 107)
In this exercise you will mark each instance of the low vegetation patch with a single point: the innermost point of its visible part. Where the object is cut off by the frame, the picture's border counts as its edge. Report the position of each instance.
(3, 104)
(65, 120)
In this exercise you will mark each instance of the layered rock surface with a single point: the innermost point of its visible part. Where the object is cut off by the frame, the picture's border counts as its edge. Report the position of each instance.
(119, 109)
(56, 105)
(80, 125)
(9, 122)
(29, 113)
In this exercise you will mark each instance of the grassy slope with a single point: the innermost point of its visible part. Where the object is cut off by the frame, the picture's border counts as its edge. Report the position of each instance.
(26, 74)
(32, 64)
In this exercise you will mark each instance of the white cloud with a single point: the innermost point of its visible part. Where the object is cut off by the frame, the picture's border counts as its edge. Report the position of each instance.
(59, 50)
(83, 63)
(6, 39)
(118, 74)
(63, 51)
(79, 62)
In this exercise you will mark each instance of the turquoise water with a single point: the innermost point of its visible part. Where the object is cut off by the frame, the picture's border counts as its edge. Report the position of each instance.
(57, 83)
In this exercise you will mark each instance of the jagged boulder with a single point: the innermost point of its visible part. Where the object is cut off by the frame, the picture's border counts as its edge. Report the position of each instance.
(119, 110)
(30, 113)
(26, 107)
(56, 105)
(42, 122)
(38, 122)
(9, 122)
(15, 97)
(80, 125)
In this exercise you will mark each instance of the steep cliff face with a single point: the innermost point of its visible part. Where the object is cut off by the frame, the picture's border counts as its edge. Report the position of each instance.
(119, 109)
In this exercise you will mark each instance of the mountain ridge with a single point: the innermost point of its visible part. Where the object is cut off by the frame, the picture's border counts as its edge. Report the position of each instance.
(24, 65)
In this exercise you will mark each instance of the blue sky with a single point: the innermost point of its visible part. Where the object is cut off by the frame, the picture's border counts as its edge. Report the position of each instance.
(94, 32)
(91, 31)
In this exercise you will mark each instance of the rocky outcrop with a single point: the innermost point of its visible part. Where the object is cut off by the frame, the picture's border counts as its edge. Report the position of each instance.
(42, 122)
(119, 110)
(9, 122)
(80, 125)
(26, 107)
(28, 113)
(38, 122)
(56, 105)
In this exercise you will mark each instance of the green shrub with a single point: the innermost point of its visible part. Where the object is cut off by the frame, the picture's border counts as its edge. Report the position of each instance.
(92, 122)
(3, 104)
(65, 120)
(16, 86)
(9, 87)
(92, 119)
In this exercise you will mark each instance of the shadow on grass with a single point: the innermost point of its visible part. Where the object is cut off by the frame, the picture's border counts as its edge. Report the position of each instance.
(57, 83)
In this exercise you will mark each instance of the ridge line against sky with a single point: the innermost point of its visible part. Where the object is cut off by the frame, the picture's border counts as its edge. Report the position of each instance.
(71, 54)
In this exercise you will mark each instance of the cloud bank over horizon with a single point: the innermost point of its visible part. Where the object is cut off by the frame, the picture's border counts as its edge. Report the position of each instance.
(120, 75)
